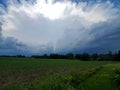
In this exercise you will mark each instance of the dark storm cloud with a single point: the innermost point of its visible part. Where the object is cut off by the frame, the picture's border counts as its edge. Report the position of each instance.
(35, 28)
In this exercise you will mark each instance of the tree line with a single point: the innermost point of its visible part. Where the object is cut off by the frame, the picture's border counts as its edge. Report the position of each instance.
(82, 56)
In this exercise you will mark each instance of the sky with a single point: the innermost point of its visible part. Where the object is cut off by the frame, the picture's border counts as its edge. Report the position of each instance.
(31, 27)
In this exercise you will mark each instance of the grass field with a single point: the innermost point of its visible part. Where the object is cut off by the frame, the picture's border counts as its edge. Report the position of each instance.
(50, 74)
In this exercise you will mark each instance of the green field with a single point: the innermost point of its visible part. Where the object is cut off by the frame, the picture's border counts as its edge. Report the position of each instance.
(59, 74)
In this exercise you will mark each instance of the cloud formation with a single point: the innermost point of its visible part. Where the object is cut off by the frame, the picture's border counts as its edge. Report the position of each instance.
(49, 26)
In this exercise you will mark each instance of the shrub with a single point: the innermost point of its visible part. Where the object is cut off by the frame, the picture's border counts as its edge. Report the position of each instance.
(117, 77)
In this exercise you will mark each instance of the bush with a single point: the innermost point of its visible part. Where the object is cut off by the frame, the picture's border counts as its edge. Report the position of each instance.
(117, 77)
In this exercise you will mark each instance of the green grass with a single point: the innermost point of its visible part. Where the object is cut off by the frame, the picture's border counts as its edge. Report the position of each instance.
(103, 80)
(59, 74)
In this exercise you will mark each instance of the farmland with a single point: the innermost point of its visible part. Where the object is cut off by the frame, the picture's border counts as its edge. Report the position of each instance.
(57, 74)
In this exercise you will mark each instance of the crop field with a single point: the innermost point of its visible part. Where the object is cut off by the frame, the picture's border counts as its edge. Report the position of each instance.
(58, 74)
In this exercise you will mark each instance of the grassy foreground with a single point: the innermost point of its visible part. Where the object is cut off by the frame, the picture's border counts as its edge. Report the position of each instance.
(49, 74)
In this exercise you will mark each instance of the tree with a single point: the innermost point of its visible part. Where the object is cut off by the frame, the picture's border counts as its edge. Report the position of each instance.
(85, 56)
(117, 56)
(78, 56)
(95, 56)
(70, 56)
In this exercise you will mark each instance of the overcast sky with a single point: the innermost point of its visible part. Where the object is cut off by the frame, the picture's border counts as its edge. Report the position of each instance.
(59, 26)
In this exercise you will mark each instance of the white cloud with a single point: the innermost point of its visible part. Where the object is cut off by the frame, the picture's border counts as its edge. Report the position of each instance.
(63, 24)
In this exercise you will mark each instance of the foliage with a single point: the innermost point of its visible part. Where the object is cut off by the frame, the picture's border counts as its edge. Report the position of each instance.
(70, 56)
(80, 56)
(85, 56)
(117, 77)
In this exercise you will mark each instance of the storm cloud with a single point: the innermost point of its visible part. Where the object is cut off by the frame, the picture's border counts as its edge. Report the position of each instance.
(49, 26)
